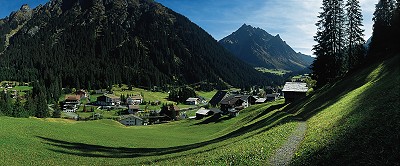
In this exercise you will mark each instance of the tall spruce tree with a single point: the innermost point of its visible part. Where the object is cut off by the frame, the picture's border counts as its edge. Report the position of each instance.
(355, 34)
(381, 37)
(330, 42)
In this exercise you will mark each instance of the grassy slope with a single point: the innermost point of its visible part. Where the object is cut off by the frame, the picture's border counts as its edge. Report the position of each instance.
(355, 121)
(248, 139)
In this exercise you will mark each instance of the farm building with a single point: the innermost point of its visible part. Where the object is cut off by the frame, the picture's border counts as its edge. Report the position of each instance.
(131, 120)
(192, 101)
(134, 100)
(108, 100)
(232, 103)
(133, 108)
(71, 103)
(247, 100)
(293, 91)
(202, 112)
(217, 98)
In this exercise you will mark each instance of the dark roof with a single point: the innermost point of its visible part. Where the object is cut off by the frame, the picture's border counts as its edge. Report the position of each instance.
(246, 97)
(218, 97)
(231, 100)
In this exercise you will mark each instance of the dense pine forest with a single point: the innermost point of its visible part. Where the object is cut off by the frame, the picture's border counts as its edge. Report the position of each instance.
(96, 44)
(340, 47)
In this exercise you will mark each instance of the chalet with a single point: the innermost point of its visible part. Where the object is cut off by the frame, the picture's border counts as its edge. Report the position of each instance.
(202, 112)
(133, 109)
(72, 99)
(131, 120)
(273, 96)
(232, 103)
(293, 91)
(134, 100)
(261, 100)
(71, 103)
(217, 98)
(108, 100)
(235, 112)
(193, 101)
(248, 100)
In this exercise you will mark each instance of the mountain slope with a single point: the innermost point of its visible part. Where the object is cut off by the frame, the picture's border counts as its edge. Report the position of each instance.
(101, 42)
(260, 49)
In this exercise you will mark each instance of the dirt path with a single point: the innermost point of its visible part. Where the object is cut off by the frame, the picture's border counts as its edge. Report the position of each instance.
(285, 154)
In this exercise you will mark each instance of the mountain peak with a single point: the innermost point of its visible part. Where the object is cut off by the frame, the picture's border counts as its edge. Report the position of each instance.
(25, 7)
(260, 49)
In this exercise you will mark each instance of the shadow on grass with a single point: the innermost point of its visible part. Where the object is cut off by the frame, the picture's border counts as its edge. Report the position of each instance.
(299, 111)
(369, 133)
(89, 150)
(216, 118)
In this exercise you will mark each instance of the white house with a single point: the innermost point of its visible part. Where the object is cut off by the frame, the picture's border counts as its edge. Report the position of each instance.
(192, 101)
(134, 100)
(131, 120)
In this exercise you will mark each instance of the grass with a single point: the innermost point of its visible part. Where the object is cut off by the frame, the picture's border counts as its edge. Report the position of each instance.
(247, 139)
(279, 72)
(354, 121)
(351, 122)
(207, 95)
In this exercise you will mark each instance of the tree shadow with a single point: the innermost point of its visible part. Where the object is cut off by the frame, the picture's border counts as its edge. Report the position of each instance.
(89, 150)
(299, 111)
(215, 118)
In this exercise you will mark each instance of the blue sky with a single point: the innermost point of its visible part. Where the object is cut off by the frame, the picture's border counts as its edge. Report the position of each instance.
(293, 20)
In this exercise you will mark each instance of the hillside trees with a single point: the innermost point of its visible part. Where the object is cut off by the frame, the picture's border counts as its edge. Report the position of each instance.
(340, 40)
(382, 37)
(330, 37)
(355, 40)
(386, 34)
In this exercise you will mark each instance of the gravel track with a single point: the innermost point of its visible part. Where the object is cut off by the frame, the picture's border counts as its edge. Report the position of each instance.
(285, 154)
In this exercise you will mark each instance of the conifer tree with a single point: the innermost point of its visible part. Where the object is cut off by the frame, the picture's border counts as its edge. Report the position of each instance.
(382, 27)
(355, 40)
(18, 109)
(330, 42)
(41, 106)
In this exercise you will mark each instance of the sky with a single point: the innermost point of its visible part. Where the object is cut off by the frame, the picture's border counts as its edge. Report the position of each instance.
(293, 20)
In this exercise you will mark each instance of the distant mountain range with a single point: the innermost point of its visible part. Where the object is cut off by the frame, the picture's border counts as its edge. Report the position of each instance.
(98, 43)
(258, 48)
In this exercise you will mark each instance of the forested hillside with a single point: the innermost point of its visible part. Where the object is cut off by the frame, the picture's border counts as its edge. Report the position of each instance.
(97, 43)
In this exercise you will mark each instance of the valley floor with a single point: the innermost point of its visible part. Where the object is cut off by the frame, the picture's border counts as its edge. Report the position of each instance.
(354, 121)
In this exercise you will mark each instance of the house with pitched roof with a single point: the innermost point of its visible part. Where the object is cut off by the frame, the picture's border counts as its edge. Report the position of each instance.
(293, 91)
(108, 100)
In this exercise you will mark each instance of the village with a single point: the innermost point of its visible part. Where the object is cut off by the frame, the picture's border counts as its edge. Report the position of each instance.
(134, 110)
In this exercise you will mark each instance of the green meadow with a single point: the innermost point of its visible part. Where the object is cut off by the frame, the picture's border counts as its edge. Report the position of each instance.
(250, 138)
(353, 121)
